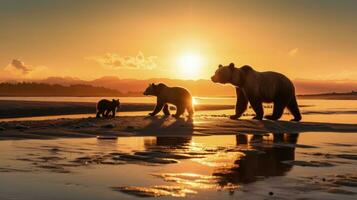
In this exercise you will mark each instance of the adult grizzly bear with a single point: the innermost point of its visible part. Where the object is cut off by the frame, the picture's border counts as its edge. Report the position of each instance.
(177, 96)
(105, 107)
(258, 87)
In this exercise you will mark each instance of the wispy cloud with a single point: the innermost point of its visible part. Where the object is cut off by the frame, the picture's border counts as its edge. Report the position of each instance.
(293, 52)
(17, 69)
(140, 61)
(338, 75)
(19, 66)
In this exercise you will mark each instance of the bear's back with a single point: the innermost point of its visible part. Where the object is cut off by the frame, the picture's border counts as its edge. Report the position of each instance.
(104, 104)
(274, 84)
(275, 77)
(175, 95)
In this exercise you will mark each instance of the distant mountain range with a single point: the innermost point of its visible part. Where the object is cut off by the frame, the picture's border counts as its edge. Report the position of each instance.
(333, 95)
(45, 89)
(135, 87)
(201, 87)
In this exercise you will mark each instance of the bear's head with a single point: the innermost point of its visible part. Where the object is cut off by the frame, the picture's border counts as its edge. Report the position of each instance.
(116, 103)
(231, 74)
(224, 74)
(153, 89)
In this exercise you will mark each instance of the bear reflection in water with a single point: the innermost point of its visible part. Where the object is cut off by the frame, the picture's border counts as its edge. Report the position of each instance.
(265, 162)
(263, 155)
(168, 144)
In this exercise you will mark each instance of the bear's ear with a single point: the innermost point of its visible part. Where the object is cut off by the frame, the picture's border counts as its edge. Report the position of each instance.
(231, 66)
(219, 66)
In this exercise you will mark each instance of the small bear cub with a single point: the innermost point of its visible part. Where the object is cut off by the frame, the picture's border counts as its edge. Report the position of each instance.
(178, 96)
(106, 107)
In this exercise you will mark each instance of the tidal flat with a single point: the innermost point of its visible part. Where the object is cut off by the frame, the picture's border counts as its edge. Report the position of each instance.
(249, 166)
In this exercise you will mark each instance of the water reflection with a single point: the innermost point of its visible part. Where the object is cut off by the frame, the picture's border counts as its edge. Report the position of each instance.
(168, 143)
(263, 161)
(226, 162)
(167, 124)
(203, 164)
(252, 158)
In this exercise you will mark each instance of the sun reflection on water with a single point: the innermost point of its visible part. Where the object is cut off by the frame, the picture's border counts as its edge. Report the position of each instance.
(169, 166)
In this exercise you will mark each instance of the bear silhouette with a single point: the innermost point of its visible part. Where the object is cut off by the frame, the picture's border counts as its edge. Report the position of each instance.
(258, 87)
(178, 96)
(106, 107)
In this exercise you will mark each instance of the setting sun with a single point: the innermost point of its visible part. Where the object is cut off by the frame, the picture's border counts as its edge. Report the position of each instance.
(194, 101)
(189, 65)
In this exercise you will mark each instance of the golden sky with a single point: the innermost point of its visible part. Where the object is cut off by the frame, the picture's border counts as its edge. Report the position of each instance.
(177, 39)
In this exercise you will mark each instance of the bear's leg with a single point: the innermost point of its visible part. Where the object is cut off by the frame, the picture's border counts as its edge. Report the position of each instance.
(258, 109)
(166, 110)
(294, 109)
(190, 110)
(113, 113)
(158, 108)
(98, 114)
(278, 110)
(179, 112)
(241, 104)
(106, 113)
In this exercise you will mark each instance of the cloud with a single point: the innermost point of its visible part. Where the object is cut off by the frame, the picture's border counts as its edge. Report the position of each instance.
(19, 66)
(18, 70)
(293, 52)
(115, 61)
(338, 75)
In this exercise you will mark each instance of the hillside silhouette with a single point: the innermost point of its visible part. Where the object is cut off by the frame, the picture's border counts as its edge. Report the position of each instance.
(114, 86)
(199, 87)
(43, 89)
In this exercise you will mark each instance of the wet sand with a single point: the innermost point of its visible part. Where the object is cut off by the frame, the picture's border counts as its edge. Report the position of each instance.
(244, 166)
(159, 126)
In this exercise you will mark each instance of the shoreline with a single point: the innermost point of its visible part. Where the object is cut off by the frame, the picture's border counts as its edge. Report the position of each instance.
(328, 97)
(19, 109)
(200, 125)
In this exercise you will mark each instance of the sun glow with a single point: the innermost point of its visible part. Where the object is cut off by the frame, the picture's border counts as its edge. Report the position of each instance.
(194, 101)
(190, 65)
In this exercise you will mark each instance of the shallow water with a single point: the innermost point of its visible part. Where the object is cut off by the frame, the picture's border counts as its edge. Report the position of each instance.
(314, 165)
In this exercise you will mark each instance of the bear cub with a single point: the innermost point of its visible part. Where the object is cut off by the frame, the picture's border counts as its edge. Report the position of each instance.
(178, 96)
(106, 107)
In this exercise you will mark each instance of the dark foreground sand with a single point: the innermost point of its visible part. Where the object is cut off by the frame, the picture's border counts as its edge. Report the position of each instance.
(158, 126)
(15, 109)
